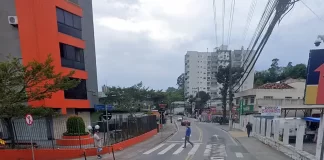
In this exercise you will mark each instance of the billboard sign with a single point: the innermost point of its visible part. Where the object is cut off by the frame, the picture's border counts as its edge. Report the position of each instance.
(271, 111)
(314, 88)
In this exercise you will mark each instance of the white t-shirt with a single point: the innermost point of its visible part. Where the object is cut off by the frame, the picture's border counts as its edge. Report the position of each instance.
(97, 140)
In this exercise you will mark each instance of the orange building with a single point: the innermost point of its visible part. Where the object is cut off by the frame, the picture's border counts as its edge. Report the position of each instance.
(32, 29)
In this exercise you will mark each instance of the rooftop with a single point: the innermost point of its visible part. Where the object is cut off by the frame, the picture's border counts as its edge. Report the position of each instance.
(275, 86)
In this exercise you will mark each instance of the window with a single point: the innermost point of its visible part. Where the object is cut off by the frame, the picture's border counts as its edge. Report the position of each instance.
(72, 57)
(246, 101)
(288, 97)
(252, 100)
(268, 97)
(69, 23)
(79, 92)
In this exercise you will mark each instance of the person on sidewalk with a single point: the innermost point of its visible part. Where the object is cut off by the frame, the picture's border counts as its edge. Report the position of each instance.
(187, 137)
(248, 128)
(98, 143)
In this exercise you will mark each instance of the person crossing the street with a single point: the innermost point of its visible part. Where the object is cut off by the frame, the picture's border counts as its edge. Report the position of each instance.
(187, 137)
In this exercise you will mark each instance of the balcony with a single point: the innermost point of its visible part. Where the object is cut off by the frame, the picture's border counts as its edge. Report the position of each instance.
(286, 103)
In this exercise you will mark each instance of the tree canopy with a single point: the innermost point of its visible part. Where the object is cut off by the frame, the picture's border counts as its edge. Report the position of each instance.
(223, 78)
(277, 73)
(35, 81)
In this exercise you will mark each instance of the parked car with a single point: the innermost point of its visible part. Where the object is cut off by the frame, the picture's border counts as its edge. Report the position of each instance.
(180, 119)
(184, 122)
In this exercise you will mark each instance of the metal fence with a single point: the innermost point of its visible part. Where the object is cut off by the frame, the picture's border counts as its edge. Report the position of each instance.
(51, 133)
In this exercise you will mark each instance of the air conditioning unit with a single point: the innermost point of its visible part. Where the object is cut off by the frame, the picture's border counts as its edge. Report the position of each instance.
(13, 20)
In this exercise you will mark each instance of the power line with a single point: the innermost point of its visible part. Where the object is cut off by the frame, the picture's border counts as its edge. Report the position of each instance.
(215, 22)
(223, 22)
(281, 9)
(230, 25)
(312, 11)
(248, 21)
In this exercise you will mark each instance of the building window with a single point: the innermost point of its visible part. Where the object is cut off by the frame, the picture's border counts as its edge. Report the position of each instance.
(79, 92)
(268, 97)
(252, 100)
(69, 23)
(237, 101)
(245, 101)
(72, 57)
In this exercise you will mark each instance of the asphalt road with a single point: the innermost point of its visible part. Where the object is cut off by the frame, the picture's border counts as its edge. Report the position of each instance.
(210, 143)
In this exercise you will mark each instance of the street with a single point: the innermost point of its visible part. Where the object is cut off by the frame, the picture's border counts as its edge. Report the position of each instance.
(210, 143)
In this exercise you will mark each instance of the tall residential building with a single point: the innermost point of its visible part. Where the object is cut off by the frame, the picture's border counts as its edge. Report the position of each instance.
(201, 69)
(32, 29)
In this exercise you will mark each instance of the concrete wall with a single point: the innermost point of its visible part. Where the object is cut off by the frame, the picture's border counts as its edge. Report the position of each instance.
(9, 35)
(89, 51)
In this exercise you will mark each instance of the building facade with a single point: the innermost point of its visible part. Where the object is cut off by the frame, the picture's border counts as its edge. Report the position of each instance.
(201, 69)
(33, 29)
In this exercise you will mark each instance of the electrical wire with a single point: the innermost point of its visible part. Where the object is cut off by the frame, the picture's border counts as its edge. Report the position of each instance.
(215, 22)
(248, 21)
(262, 24)
(281, 9)
(310, 9)
(230, 25)
(223, 19)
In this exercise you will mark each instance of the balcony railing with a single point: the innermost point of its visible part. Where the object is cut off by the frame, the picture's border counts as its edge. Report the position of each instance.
(280, 102)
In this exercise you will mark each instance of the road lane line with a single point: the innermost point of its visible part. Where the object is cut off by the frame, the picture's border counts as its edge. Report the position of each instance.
(200, 133)
(167, 149)
(194, 149)
(153, 149)
(179, 149)
(239, 154)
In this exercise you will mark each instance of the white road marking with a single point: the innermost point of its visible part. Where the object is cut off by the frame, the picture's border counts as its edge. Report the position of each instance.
(216, 158)
(229, 136)
(239, 154)
(194, 149)
(167, 149)
(153, 149)
(179, 149)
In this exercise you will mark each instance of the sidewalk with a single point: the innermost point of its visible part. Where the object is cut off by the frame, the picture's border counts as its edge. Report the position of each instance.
(259, 150)
(168, 130)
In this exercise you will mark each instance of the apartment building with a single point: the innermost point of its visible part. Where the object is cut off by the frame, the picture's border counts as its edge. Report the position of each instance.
(201, 69)
(32, 29)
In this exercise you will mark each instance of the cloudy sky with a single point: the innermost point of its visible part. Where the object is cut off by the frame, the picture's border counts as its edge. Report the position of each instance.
(146, 40)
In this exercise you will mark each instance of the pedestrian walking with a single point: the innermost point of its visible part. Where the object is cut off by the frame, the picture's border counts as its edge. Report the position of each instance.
(98, 143)
(187, 137)
(248, 128)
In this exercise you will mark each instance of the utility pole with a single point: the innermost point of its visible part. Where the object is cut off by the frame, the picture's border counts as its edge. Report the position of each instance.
(230, 91)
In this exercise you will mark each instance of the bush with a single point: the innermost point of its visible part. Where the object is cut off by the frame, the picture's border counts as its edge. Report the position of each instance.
(75, 126)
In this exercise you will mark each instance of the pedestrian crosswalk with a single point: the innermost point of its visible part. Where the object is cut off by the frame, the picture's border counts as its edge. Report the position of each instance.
(177, 148)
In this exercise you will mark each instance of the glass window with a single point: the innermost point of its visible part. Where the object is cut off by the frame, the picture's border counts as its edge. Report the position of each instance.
(60, 15)
(77, 22)
(252, 100)
(79, 92)
(70, 52)
(68, 19)
(62, 50)
(79, 55)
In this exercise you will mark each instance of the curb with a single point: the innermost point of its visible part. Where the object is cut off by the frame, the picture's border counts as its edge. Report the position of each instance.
(164, 139)
(233, 137)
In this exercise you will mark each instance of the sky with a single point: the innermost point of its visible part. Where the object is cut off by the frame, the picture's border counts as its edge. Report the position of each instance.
(146, 40)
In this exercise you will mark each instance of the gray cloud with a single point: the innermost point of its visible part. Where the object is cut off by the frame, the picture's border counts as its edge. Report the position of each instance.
(145, 40)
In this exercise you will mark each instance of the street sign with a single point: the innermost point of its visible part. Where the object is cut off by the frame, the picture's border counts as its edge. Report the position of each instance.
(315, 78)
(100, 107)
(109, 107)
(109, 115)
(29, 119)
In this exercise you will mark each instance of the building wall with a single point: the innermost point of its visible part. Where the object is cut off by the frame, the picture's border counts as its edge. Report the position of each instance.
(9, 35)
(37, 36)
(89, 51)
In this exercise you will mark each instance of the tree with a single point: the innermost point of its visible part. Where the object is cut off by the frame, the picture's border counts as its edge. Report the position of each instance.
(276, 73)
(20, 85)
(181, 81)
(223, 78)
(201, 99)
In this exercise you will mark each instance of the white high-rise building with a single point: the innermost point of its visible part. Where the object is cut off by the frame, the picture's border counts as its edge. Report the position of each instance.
(201, 69)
